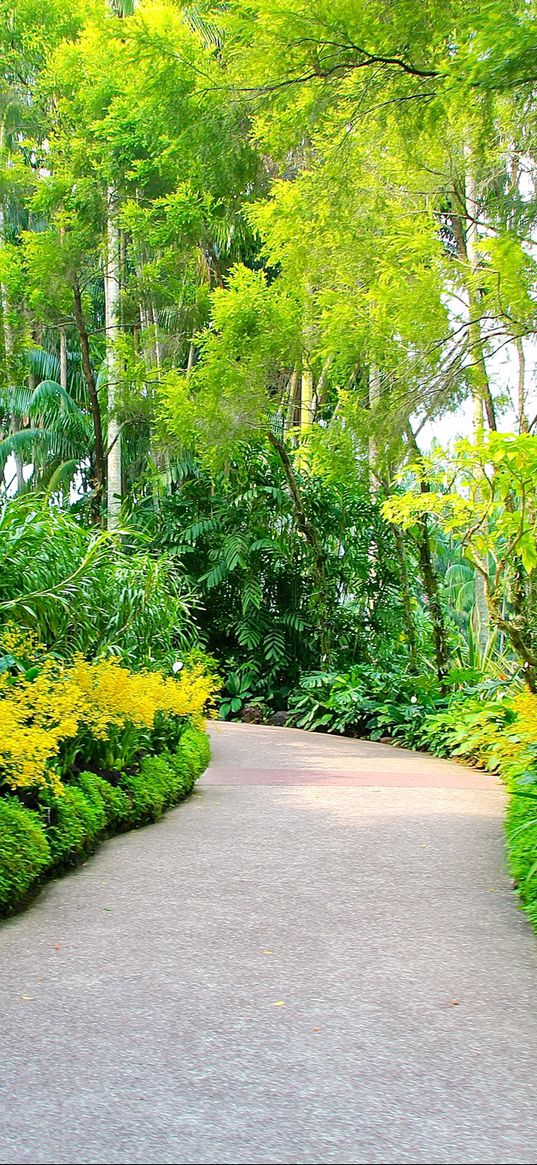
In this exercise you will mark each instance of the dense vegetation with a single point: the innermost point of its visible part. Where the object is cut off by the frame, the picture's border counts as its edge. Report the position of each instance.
(256, 258)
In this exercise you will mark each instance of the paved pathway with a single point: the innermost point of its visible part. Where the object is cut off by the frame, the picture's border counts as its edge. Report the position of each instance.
(316, 959)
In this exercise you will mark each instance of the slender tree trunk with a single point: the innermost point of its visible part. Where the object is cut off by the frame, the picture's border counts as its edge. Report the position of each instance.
(408, 613)
(157, 346)
(483, 404)
(481, 392)
(100, 467)
(313, 541)
(373, 399)
(306, 400)
(9, 343)
(63, 358)
(111, 312)
(523, 425)
(430, 580)
(152, 354)
(290, 416)
(466, 241)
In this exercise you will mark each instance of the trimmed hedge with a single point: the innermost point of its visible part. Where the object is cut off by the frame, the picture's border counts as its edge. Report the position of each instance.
(521, 833)
(24, 851)
(75, 824)
(67, 828)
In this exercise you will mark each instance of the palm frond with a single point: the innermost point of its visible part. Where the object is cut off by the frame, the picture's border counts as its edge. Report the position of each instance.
(62, 476)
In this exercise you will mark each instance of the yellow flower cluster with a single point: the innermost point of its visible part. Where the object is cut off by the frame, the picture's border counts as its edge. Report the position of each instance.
(507, 746)
(38, 715)
(516, 751)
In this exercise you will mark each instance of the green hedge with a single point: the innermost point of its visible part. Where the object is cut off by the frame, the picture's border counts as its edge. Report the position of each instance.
(36, 845)
(24, 851)
(521, 833)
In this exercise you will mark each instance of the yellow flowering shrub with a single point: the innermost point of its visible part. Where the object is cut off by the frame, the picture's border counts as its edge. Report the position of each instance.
(516, 750)
(39, 715)
(112, 694)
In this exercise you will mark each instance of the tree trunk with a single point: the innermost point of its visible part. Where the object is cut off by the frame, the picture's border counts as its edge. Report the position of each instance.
(373, 399)
(290, 416)
(523, 426)
(306, 400)
(100, 467)
(467, 250)
(408, 614)
(9, 350)
(483, 404)
(111, 323)
(312, 538)
(63, 358)
(430, 581)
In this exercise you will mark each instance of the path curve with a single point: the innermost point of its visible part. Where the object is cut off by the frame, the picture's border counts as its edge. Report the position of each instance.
(318, 958)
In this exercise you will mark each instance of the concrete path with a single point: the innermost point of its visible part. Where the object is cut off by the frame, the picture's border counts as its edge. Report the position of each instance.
(316, 959)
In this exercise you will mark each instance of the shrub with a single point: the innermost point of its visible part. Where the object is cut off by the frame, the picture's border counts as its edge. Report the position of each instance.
(365, 702)
(24, 852)
(160, 776)
(74, 824)
(84, 590)
(116, 804)
(70, 824)
(521, 833)
(54, 713)
(145, 796)
(194, 750)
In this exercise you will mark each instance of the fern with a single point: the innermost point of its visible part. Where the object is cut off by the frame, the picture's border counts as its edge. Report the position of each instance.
(251, 595)
(215, 575)
(274, 646)
(235, 551)
(198, 529)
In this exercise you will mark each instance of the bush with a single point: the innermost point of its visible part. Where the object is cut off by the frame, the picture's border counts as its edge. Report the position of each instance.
(194, 751)
(146, 797)
(75, 824)
(166, 779)
(54, 713)
(24, 852)
(116, 804)
(365, 702)
(521, 833)
(70, 824)
(82, 590)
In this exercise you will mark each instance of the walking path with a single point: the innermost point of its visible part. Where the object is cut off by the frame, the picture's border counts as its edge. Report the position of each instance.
(316, 959)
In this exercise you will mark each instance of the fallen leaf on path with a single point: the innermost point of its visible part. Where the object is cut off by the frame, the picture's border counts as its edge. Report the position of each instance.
(279, 1003)
(28, 998)
(454, 1002)
(57, 946)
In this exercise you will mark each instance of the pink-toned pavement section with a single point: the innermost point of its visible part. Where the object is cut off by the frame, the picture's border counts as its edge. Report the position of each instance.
(251, 754)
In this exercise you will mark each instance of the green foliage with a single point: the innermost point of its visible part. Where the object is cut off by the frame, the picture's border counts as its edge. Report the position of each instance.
(74, 825)
(521, 835)
(193, 753)
(483, 495)
(237, 539)
(238, 691)
(282, 334)
(67, 827)
(86, 591)
(114, 801)
(163, 780)
(366, 701)
(24, 852)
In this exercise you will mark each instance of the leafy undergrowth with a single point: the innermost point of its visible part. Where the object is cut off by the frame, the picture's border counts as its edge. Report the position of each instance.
(63, 829)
